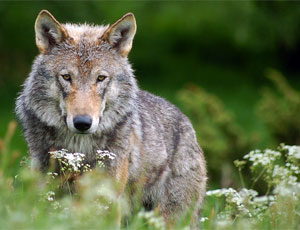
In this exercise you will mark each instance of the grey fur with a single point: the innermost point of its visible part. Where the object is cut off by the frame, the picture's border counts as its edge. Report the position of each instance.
(158, 141)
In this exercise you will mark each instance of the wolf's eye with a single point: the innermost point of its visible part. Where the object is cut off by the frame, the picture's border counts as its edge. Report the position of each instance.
(66, 77)
(100, 78)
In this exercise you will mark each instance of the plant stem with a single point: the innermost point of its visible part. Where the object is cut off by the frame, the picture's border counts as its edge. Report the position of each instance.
(67, 181)
(241, 178)
(269, 189)
(259, 176)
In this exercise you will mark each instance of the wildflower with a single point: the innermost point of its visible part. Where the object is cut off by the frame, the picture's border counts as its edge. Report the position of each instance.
(102, 156)
(247, 194)
(294, 168)
(69, 161)
(293, 157)
(264, 199)
(203, 219)
(293, 151)
(53, 175)
(233, 198)
(279, 174)
(262, 158)
(50, 196)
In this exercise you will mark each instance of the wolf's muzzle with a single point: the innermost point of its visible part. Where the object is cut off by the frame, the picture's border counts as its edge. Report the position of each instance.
(82, 122)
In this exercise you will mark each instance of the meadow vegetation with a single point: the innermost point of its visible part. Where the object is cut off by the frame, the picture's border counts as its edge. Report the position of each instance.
(78, 197)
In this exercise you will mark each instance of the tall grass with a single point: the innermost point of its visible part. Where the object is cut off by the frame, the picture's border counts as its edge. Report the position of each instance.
(31, 200)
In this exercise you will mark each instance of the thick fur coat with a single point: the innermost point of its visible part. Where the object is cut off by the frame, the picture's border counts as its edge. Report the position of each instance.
(81, 95)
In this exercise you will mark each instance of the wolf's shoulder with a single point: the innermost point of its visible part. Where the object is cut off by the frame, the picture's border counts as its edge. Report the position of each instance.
(159, 107)
(148, 99)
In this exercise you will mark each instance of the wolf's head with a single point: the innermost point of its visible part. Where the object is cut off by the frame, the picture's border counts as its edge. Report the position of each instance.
(82, 76)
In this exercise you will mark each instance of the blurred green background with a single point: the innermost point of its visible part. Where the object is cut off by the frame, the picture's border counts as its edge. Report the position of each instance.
(232, 67)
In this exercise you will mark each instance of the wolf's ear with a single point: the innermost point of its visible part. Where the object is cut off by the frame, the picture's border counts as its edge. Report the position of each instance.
(121, 33)
(48, 31)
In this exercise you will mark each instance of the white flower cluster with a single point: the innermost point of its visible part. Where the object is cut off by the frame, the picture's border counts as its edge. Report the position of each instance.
(286, 178)
(285, 190)
(282, 181)
(293, 157)
(280, 177)
(234, 198)
(72, 162)
(247, 203)
(293, 151)
(262, 158)
(154, 221)
(103, 155)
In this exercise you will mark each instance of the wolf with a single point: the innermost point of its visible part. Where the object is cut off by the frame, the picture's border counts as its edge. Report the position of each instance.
(82, 95)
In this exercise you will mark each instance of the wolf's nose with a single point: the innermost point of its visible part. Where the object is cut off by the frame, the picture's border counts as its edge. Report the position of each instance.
(82, 123)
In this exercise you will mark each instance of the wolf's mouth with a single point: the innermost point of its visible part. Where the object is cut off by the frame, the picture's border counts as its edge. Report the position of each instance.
(81, 133)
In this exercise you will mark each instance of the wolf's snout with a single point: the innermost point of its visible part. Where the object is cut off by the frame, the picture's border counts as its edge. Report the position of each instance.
(83, 122)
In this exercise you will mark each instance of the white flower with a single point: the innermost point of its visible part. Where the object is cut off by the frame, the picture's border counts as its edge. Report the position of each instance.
(262, 158)
(75, 160)
(50, 196)
(102, 154)
(53, 175)
(232, 198)
(279, 174)
(294, 168)
(69, 161)
(264, 199)
(248, 194)
(203, 219)
(293, 151)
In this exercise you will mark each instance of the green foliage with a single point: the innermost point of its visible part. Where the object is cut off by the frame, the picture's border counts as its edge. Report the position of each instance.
(30, 200)
(8, 157)
(222, 47)
(280, 109)
(218, 133)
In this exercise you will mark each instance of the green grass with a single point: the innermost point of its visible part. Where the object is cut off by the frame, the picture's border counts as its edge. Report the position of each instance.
(31, 200)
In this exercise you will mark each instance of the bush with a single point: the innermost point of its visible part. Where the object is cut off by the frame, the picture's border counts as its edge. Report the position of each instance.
(280, 109)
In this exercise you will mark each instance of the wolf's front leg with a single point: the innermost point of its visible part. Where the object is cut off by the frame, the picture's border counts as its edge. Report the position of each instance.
(39, 159)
